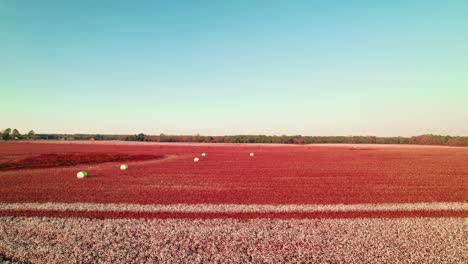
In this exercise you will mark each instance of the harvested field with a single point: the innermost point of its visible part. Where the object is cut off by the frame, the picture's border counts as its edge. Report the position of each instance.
(287, 203)
(409, 240)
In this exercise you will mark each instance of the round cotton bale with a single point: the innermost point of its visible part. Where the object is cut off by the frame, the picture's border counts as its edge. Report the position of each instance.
(203, 154)
(196, 159)
(82, 174)
(251, 154)
(123, 167)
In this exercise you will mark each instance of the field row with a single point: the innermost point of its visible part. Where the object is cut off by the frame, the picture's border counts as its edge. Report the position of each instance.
(208, 211)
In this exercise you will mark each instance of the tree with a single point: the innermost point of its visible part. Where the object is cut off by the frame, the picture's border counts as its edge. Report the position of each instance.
(31, 134)
(140, 137)
(15, 134)
(6, 134)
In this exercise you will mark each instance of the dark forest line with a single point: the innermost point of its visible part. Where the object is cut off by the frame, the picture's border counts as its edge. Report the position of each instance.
(14, 134)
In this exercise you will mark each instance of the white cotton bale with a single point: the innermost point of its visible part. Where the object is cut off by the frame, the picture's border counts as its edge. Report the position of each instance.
(123, 167)
(251, 154)
(196, 159)
(203, 154)
(82, 174)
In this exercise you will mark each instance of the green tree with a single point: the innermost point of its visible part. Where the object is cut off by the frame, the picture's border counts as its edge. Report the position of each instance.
(140, 137)
(31, 134)
(15, 134)
(6, 134)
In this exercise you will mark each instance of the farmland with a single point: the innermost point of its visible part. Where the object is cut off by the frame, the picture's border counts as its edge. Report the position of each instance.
(286, 203)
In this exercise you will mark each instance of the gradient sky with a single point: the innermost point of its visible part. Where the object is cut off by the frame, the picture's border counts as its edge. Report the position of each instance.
(398, 68)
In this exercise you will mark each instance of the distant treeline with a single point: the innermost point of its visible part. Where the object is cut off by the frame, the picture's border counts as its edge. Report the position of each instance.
(9, 134)
(419, 140)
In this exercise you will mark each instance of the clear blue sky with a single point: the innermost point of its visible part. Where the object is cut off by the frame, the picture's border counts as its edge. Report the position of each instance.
(235, 67)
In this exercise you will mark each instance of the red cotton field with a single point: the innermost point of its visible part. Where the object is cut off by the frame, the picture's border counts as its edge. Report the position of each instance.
(295, 187)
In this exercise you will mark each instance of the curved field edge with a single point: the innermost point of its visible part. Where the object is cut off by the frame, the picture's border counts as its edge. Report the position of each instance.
(408, 240)
(72, 159)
